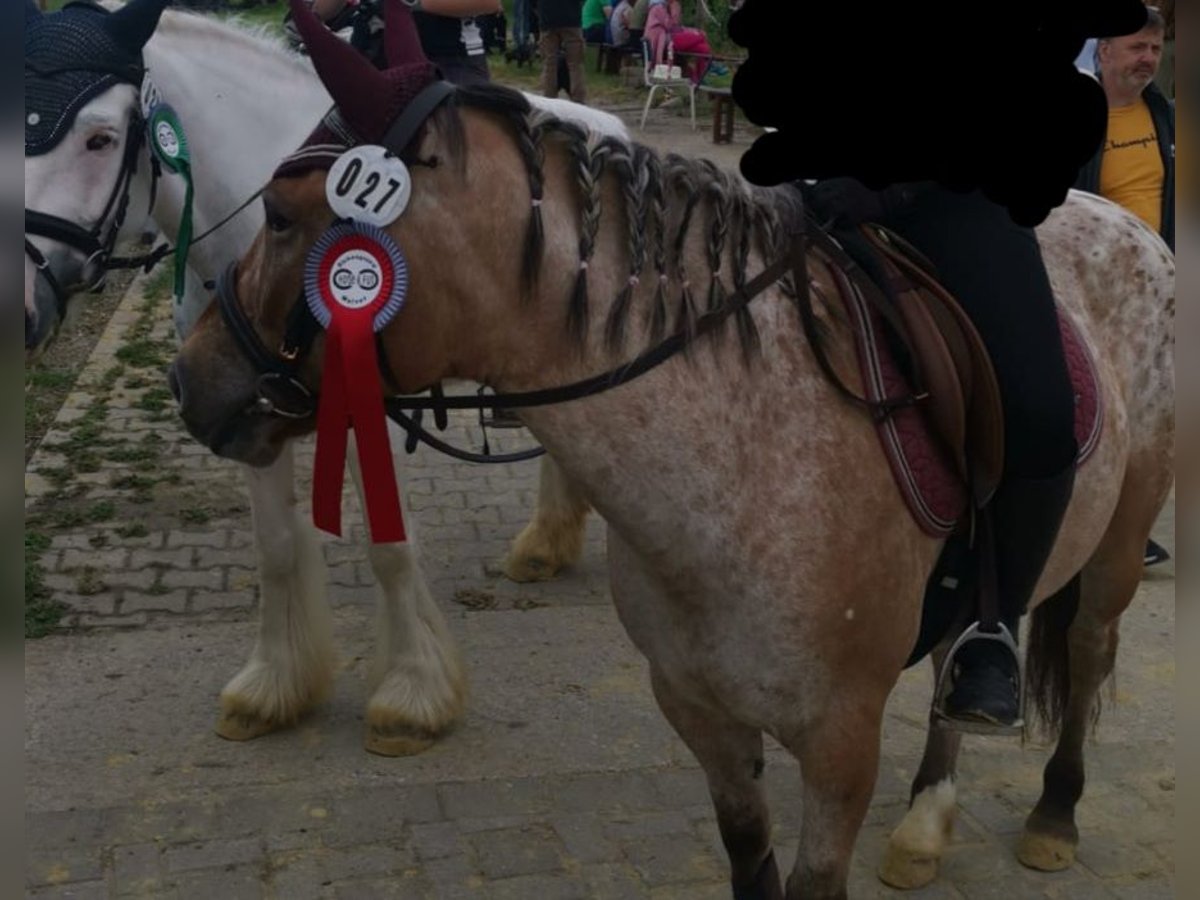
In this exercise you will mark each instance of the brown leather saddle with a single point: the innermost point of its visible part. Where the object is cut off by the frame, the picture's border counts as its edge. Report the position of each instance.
(950, 363)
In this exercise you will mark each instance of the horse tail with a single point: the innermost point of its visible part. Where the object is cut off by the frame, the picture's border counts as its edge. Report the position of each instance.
(1047, 661)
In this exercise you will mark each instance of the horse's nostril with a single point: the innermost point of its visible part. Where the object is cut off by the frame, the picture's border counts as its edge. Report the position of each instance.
(30, 331)
(173, 383)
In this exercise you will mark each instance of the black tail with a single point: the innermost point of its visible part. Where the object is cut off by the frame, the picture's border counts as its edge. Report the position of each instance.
(1047, 661)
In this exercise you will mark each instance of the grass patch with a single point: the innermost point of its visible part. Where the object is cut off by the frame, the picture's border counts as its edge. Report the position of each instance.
(136, 530)
(155, 400)
(196, 515)
(144, 353)
(42, 611)
(132, 453)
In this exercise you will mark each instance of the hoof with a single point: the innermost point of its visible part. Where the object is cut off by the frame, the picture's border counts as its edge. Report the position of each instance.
(523, 569)
(906, 869)
(1045, 853)
(397, 741)
(234, 725)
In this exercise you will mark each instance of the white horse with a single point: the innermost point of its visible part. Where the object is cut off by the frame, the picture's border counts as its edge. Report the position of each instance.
(245, 100)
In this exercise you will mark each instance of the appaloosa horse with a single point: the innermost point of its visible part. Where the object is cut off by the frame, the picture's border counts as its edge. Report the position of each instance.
(761, 556)
(243, 100)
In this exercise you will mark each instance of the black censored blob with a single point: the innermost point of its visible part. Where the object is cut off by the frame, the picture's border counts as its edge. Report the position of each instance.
(982, 95)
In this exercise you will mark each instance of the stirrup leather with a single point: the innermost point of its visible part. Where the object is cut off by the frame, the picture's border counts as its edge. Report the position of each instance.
(944, 686)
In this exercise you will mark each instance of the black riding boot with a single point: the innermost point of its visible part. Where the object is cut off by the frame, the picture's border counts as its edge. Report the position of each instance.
(1026, 515)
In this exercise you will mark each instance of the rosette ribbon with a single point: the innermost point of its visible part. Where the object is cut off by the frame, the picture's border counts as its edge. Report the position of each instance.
(355, 281)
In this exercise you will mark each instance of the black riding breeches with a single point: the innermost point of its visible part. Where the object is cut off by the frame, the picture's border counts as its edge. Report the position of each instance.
(994, 269)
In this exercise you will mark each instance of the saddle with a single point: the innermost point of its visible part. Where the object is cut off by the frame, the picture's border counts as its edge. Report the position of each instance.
(947, 363)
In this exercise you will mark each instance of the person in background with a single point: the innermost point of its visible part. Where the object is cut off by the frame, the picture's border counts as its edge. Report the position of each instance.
(450, 36)
(637, 18)
(618, 26)
(560, 25)
(665, 29)
(1135, 165)
(595, 18)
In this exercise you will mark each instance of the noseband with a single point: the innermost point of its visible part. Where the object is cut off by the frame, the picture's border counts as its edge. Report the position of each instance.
(280, 391)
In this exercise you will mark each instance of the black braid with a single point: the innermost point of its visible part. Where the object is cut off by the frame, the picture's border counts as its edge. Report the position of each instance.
(658, 236)
(679, 175)
(632, 176)
(533, 154)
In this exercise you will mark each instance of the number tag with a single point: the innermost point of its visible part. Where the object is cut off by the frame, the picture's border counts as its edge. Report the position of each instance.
(471, 37)
(369, 185)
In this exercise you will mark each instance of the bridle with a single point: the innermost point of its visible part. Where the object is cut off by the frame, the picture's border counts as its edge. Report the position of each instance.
(96, 244)
(280, 390)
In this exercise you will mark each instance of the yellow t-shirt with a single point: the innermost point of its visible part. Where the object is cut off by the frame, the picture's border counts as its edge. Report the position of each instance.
(1131, 169)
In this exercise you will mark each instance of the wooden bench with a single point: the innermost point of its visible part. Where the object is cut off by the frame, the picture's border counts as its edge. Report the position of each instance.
(723, 108)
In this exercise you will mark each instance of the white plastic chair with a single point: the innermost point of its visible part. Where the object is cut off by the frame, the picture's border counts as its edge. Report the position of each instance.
(663, 76)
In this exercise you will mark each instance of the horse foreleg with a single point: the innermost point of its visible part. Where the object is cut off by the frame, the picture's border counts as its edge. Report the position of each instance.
(554, 538)
(839, 760)
(417, 677)
(732, 757)
(915, 848)
(291, 667)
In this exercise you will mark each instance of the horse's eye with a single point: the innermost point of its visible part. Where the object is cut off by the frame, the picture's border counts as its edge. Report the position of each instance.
(99, 141)
(276, 221)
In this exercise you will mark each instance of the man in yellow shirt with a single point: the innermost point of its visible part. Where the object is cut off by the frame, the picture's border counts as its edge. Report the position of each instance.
(1135, 166)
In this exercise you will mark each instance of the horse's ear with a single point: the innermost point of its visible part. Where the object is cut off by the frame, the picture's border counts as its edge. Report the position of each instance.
(32, 13)
(355, 85)
(132, 25)
(401, 42)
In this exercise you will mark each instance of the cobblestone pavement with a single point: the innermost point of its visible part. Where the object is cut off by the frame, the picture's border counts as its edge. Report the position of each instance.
(562, 780)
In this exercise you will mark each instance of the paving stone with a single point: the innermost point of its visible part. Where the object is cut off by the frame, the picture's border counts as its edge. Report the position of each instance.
(172, 601)
(137, 864)
(544, 887)
(83, 890)
(216, 538)
(518, 797)
(211, 580)
(365, 861)
(585, 838)
(210, 854)
(50, 866)
(229, 883)
(203, 601)
(381, 814)
(435, 840)
(134, 620)
(517, 851)
(670, 859)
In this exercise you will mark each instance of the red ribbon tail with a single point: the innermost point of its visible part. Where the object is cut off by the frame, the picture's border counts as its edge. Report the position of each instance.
(370, 434)
(333, 422)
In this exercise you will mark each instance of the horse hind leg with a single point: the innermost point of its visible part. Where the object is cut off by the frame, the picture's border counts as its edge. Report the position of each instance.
(731, 755)
(1067, 668)
(418, 682)
(291, 667)
(914, 850)
(554, 538)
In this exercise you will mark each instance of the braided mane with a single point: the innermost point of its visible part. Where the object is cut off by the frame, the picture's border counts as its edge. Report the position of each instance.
(664, 198)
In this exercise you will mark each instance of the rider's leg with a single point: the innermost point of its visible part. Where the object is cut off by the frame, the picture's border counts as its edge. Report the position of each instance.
(994, 268)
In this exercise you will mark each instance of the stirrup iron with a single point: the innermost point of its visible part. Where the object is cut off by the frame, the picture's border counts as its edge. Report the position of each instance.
(941, 719)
